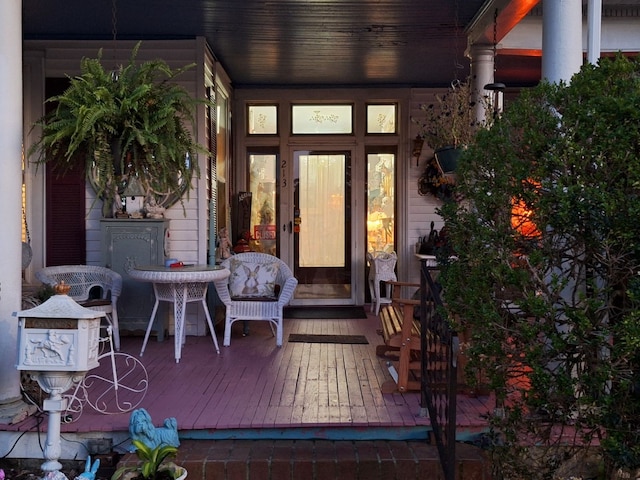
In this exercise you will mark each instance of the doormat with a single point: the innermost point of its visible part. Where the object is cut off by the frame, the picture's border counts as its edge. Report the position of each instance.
(328, 313)
(311, 338)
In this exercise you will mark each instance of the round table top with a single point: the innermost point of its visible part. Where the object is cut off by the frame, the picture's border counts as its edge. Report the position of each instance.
(186, 274)
(429, 260)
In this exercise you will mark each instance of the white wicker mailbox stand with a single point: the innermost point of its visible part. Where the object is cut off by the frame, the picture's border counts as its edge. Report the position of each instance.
(58, 344)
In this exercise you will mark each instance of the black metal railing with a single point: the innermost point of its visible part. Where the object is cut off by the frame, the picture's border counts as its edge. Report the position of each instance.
(439, 370)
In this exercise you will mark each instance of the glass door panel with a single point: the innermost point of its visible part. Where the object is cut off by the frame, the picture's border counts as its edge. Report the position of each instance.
(262, 185)
(321, 226)
(380, 202)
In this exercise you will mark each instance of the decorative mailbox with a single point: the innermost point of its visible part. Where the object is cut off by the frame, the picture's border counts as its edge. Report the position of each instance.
(58, 342)
(59, 336)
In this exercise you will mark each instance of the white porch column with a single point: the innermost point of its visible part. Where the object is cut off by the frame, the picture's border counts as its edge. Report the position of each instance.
(594, 30)
(11, 406)
(482, 73)
(561, 40)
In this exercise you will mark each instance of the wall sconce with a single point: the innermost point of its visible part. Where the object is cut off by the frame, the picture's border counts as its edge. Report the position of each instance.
(418, 142)
(521, 220)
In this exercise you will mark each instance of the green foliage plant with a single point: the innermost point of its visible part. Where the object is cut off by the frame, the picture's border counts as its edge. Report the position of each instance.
(151, 465)
(553, 316)
(135, 121)
(44, 293)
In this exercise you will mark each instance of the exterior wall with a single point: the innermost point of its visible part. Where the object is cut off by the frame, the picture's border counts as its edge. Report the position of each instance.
(188, 238)
(63, 58)
(421, 210)
(188, 230)
(619, 33)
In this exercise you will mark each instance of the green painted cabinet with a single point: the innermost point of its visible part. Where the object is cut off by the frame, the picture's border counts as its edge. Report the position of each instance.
(137, 242)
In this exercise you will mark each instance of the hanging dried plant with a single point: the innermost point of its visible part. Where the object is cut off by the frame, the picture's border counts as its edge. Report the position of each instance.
(451, 119)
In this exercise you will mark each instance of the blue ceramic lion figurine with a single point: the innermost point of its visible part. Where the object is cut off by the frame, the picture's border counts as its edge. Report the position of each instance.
(141, 428)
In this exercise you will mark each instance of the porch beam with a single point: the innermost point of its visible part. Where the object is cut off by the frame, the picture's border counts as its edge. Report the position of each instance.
(503, 14)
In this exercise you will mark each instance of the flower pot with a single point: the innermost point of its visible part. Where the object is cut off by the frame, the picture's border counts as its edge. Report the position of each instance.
(447, 158)
(170, 470)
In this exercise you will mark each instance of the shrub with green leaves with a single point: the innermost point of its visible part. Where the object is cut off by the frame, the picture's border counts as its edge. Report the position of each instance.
(552, 311)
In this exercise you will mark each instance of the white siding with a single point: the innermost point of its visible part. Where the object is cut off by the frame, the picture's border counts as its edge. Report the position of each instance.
(421, 210)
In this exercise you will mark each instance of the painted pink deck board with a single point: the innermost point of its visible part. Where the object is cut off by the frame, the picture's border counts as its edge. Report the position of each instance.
(253, 384)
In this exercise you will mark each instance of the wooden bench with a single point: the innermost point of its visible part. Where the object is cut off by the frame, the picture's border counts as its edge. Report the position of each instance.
(401, 335)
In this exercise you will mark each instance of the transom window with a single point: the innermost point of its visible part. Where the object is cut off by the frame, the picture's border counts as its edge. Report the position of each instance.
(262, 120)
(381, 118)
(322, 119)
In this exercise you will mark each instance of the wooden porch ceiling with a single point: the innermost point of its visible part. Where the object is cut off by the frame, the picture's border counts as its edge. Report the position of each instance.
(301, 43)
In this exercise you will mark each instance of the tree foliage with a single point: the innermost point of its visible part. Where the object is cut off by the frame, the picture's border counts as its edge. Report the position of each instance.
(552, 306)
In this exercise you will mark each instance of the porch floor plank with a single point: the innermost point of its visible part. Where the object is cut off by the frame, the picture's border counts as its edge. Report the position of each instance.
(254, 385)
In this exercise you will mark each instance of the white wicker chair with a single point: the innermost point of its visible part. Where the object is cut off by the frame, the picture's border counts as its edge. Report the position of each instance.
(381, 269)
(94, 287)
(258, 308)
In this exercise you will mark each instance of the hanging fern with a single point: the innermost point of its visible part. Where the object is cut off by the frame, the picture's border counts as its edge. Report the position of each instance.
(134, 121)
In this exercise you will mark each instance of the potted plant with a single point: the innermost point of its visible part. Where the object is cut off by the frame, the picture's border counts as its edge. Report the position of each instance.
(151, 464)
(128, 126)
(449, 124)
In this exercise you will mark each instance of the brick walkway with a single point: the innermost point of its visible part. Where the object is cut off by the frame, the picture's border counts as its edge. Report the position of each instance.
(321, 460)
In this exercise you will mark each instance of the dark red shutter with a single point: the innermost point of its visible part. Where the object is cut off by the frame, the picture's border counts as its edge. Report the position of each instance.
(65, 206)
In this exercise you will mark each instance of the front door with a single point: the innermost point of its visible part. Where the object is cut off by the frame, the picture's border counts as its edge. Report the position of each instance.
(322, 227)
(301, 212)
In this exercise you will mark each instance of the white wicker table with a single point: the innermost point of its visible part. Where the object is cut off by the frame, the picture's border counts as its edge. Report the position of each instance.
(179, 286)
(430, 260)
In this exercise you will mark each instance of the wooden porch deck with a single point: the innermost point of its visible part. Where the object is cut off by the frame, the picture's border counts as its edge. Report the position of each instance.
(254, 390)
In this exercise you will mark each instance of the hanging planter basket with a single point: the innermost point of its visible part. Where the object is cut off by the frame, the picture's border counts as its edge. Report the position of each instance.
(433, 182)
(106, 133)
(447, 158)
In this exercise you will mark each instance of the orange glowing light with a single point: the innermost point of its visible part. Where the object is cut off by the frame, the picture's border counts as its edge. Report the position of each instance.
(521, 220)
(521, 215)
